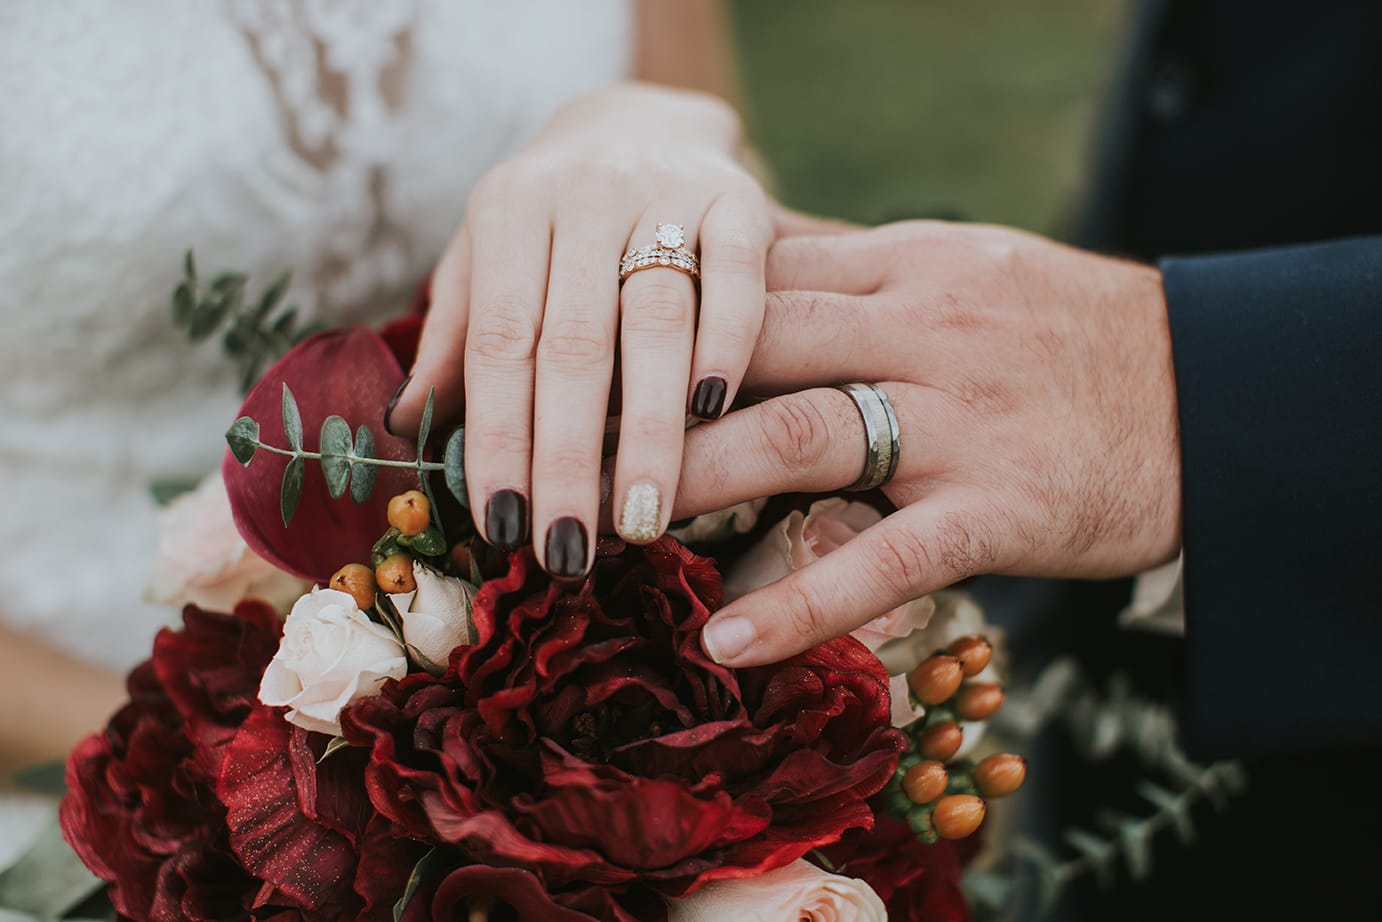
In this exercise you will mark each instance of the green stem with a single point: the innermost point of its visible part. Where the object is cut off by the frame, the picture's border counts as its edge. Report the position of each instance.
(377, 462)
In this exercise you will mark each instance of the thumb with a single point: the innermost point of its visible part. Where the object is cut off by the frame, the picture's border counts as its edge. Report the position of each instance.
(911, 553)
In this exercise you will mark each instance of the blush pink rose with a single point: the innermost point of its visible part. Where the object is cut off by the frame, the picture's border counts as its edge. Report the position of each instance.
(203, 561)
(798, 892)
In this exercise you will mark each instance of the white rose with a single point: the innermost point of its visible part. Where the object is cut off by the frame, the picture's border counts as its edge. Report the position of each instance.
(799, 892)
(717, 526)
(331, 655)
(436, 615)
(202, 560)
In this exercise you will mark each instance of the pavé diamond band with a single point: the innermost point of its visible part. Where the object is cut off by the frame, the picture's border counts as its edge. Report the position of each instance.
(669, 251)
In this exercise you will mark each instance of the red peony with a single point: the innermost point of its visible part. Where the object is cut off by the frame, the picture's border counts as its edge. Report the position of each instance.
(586, 738)
(141, 809)
(916, 881)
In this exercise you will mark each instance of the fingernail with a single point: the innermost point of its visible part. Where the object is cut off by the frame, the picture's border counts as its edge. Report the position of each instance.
(393, 402)
(506, 519)
(726, 638)
(566, 548)
(641, 518)
(708, 401)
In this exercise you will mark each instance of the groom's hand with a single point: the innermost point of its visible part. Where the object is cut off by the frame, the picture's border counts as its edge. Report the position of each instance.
(1036, 404)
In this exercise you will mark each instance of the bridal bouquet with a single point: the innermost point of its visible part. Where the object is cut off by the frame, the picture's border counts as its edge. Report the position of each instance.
(442, 731)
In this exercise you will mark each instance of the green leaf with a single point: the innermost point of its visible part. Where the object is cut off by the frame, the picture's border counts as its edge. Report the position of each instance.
(226, 292)
(429, 542)
(243, 438)
(362, 475)
(335, 451)
(425, 427)
(337, 742)
(189, 265)
(44, 778)
(453, 464)
(48, 880)
(184, 301)
(288, 498)
(166, 490)
(433, 865)
(285, 321)
(292, 419)
(270, 298)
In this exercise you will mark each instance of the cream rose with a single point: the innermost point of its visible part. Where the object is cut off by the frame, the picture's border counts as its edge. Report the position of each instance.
(717, 526)
(436, 615)
(202, 560)
(799, 892)
(331, 655)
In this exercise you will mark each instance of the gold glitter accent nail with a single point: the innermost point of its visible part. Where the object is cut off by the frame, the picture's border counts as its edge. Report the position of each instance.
(642, 513)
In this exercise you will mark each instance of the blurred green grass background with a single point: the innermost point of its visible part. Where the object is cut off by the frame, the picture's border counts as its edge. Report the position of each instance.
(878, 110)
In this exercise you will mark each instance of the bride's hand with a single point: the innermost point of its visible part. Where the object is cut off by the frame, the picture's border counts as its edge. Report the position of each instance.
(1036, 414)
(527, 300)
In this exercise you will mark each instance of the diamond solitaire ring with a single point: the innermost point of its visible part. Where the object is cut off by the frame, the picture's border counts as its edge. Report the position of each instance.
(669, 251)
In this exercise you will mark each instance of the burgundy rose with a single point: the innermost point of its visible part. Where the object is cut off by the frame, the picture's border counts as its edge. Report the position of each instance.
(587, 739)
(523, 895)
(916, 881)
(141, 809)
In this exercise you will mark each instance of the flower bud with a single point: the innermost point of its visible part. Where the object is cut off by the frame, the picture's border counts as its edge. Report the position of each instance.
(979, 701)
(973, 652)
(925, 782)
(410, 513)
(957, 815)
(358, 580)
(936, 679)
(395, 574)
(940, 742)
(1000, 774)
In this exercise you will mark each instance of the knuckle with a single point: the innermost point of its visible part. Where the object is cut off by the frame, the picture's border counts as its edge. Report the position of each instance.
(569, 466)
(735, 251)
(659, 305)
(964, 547)
(902, 562)
(796, 431)
(645, 431)
(503, 336)
(498, 441)
(574, 343)
(806, 619)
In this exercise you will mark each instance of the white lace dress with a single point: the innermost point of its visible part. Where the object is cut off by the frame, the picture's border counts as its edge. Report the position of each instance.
(336, 138)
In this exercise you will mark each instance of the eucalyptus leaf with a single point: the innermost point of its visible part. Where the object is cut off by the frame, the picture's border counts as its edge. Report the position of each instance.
(269, 300)
(292, 419)
(49, 879)
(168, 489)
(189, 265)
(336, 449)
(431, 866)
(337, 742)
(453, 464)
(429, 542)
(44, 778)
(293, 476)
(362, 475)
(284, 324)
(184, 301)
(425, 427)
(243, 438)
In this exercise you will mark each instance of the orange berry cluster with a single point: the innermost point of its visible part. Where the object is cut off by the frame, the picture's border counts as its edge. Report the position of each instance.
(409, 513)
(940, 800)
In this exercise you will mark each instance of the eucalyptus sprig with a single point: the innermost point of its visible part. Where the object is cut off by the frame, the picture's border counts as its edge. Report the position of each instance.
(347, 461)
(254, 334)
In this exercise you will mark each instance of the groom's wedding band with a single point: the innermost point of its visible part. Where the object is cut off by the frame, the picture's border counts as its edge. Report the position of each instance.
(669, 251)
(880, 432)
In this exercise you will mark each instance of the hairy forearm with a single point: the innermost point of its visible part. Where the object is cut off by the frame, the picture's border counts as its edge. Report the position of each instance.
(50, 701)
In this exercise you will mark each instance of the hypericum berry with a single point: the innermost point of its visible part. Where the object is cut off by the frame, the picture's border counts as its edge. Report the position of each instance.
(936, 679)
(979, 700)
(1000, 774)
(395, 574)
(925, 782)
(358, 580)
(410, 512)
(941, 742)
(973, 652)
(461, 557)
(957, 815)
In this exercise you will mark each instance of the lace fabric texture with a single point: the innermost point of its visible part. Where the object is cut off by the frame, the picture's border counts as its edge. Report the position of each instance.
(336, 138)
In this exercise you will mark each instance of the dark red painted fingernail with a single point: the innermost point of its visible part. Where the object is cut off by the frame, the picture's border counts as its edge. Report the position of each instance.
(393, 402)
(506, 519)
(566, 548)
(708, 401)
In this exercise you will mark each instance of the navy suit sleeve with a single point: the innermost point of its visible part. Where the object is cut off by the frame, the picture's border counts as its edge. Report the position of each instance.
(1278, 362)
